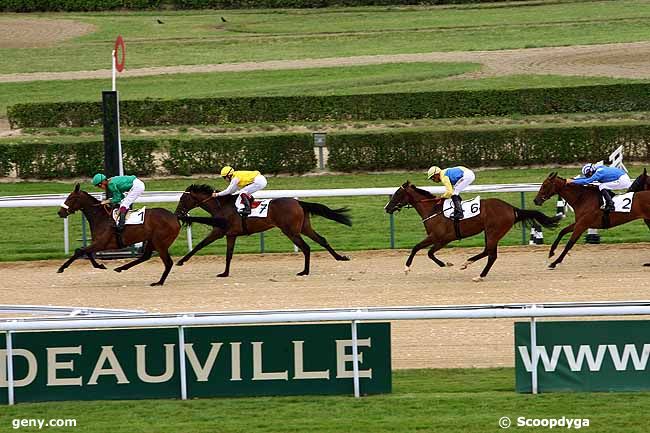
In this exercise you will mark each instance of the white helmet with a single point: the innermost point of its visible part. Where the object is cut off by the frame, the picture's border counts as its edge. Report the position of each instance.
(588, 170)
(433, 171)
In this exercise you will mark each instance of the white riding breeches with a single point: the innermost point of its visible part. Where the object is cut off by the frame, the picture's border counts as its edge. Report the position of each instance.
(622, 182)
(464, 182)
(132, 195)
(258, 183)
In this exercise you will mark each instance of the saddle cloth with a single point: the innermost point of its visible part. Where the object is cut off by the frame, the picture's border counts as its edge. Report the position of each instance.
(259, 208)
(471, 208)
(133, 217)
(623, 202)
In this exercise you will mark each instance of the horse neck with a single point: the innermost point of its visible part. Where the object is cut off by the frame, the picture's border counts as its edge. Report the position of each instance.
(93, 213)
(214, 208)
(573, 194)
(423, 205)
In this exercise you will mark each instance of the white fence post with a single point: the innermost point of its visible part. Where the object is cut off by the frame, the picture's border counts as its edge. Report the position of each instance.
(355, 359)
(181, 362)
(66, 236)
(10, 368)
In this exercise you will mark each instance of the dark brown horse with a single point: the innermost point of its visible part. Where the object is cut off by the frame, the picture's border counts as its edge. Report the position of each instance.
(289, 215)
(585, 201)
(496, 218)
(159, 230)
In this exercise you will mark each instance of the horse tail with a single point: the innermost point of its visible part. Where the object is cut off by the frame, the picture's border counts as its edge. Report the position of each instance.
(338, 215)
(211, 221)
(526, 216)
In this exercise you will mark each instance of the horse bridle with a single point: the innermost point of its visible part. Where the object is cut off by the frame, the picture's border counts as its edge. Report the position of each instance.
(199, 203)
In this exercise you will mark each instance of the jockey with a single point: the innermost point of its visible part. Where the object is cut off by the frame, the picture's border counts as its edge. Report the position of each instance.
(247, 182)
(125, 190)
(455, 180)
(608, 178)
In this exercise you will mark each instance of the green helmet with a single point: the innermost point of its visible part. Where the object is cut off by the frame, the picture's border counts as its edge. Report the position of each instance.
(98, 178)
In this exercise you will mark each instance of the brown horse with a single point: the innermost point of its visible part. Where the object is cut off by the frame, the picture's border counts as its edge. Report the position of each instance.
(159, 230)
(496, 218)
(289, 215)
(585, 201)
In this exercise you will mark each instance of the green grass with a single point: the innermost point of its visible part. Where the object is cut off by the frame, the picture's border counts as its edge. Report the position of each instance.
(198, 37)
(37, 233)
(386, 78)
(440, 401)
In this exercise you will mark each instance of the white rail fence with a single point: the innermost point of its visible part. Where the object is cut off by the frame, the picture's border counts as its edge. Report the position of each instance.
(352, 315)
(55, 200)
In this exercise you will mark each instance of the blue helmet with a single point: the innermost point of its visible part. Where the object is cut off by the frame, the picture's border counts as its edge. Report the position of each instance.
(588, 170)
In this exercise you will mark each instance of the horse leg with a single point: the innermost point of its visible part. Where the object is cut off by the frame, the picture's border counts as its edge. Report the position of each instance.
(556, 242)
(304, 247)
(313, 235)
(492, 238)
(167, 260)
(479, 256)
(230, 248)
(422, 244)
(431, 254)
(79, 252)
(211, 237)
(577, 232)
(96, 265)
(145, 256)
(647, 222)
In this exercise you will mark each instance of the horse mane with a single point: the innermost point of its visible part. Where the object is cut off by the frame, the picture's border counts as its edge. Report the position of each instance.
(423, 192)
(200, 189)
(92, 197)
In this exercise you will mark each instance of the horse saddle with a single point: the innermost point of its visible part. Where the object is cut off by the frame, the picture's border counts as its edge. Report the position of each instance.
(471, 208)
(623, 202)
(133, 217)
(259, 208)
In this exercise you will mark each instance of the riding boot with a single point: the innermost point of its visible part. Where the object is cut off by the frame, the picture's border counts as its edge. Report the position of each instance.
(609, 203)
(458, 208)
(246, 202)
(120, 227)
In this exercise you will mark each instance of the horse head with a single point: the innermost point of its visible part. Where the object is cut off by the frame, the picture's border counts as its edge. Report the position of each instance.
(641, 183)
(408, 195)
(551, 186)
(77, 200)
(399, 199)
(193, 196)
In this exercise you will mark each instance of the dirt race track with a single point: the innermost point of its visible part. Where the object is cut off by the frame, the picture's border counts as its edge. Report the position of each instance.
(590, 273)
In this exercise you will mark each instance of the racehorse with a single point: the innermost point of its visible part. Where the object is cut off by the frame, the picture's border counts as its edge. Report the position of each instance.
(289, 215)
(585, 201)
(496, 218)
(159, 230)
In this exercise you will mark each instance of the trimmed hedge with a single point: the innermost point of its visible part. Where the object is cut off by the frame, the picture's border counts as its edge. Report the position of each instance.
(275, 4)
(75, 5)
(502, 147)
(100, 5)
(270, 154)
(211, 111)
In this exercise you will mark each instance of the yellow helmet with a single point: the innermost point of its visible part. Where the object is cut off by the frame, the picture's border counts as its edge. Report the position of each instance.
(226, 170)
(433, 171)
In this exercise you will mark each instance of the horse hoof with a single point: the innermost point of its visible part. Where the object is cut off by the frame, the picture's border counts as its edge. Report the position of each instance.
(222, 275)
(464, 266)
(180, 263)
(477, 279)
(118, 270)
(60, 271)
(101, 267)
(551, 266)
(302, 274)
(156, 284)
(449, 264)
(407, 269)
(343, 259)
(646, 264)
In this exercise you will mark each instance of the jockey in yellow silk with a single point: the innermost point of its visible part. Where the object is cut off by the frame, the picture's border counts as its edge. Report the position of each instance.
(244, 182)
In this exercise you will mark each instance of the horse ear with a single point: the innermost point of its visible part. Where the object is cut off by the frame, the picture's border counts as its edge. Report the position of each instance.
(77, 187)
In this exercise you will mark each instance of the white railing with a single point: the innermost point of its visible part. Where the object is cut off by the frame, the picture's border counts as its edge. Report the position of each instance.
(352, 315)
(55, 200)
